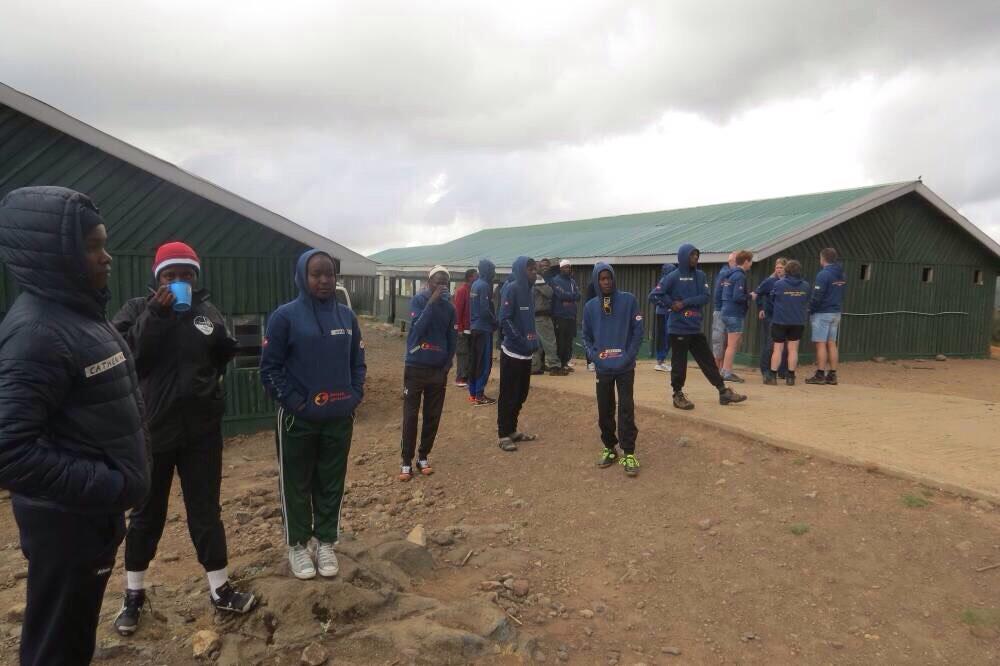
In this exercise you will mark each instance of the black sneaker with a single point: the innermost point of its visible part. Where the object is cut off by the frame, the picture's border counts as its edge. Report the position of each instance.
(770, 379)
(486, 400)
(730, 397)
(608, 457)
(233, 601)
(831, 378)
(681, 401)
(818, 378)
(558, 372)
(127, 620)
(790, 379)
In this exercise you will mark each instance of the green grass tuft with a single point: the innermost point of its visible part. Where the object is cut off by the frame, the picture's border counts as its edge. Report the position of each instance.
(981, 617)
(798, 529)
(915, 501)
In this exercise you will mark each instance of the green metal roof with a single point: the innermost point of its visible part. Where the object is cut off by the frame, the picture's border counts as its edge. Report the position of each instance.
(715, 229)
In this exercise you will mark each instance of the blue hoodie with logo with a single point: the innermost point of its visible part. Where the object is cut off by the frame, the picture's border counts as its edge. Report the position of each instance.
(612, 329)
(656, 296)
(517, 311)
(432, 339)
(690, 287)
(565, 296)
(313, 359)
(828, 294)
(482, 315)
(789, 301)
(721, 280)
(734, 294)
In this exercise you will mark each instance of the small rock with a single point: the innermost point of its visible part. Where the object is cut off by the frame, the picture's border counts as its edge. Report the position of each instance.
(521, 587)
(729, 463)
(964, 547)
(170, 557)
(749, 636)
(587, 614)
(519, 504)
(204, 643)
(417, 536)
(705, 524)
(509, 492)
(15, 614)
(940, 357)
(684, 441)
(672, 651)
(314, 655)
(588, 631)
(243, 517)
(490, 585)
(443, 538)
(836, 645)
(879, 359)
(811, 495)
(509, 583)
(21, 575)
(109, 652)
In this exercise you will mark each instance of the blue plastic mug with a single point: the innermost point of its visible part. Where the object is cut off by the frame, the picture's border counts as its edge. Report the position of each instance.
(182, 296)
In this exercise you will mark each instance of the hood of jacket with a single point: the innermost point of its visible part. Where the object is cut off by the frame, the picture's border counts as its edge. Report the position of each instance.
(487, 270)
(836, 271)
(41, 241)
(595, 278)
(667, 269)
(684, 258)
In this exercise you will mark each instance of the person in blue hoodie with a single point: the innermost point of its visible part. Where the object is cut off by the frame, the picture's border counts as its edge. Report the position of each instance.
(483, 319)
(686, 289)
(762, 297)
(612, 335)
(735, 304)
(825, 307)
(517, 320)
(565, 296)
(790, 301)
(313, 365)
(719, 326)
(430, 348)
(660, 338)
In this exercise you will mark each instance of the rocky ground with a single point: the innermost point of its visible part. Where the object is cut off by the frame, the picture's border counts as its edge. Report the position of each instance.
(722, 551)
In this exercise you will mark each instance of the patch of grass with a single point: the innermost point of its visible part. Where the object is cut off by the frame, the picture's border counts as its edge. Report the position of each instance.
(981, 617)
(798, 529)
(799, 461)
(915, 501)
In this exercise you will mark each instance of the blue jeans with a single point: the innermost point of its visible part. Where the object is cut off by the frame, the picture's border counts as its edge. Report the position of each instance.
(662, 339)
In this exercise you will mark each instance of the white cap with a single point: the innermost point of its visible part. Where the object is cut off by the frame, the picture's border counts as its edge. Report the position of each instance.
(439, 269)
(565, 262)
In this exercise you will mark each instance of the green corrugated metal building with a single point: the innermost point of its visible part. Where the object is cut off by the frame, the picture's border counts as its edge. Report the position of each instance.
(921, 278)
(248, 252)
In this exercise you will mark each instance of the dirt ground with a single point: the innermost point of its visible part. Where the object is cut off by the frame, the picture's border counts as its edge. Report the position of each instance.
(724, 550)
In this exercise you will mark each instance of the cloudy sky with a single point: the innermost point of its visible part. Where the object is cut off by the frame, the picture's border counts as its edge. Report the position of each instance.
(399, 123)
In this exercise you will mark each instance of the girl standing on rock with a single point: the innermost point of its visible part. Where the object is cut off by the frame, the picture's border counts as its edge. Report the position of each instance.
(313, 365)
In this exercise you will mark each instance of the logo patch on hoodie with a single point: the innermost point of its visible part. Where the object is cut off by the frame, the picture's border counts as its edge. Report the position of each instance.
(324, 397)
(204, 324)
(342, 331)
(104, 366)
(610, 353)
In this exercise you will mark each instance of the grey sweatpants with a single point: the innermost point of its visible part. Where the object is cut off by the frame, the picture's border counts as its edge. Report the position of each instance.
(547, 336)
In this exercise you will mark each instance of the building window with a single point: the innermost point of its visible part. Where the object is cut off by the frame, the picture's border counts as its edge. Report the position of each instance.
(866, 272)
(977, 277)
(247, 331)
(927, 275)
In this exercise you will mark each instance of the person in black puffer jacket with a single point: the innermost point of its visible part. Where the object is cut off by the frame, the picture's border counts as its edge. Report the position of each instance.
(181, 359)
(72, 444)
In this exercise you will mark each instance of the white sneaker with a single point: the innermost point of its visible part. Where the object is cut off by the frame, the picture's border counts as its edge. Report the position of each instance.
(590, 367)
(670, 368)
(327, 560)
(659, 367)
(301, 563)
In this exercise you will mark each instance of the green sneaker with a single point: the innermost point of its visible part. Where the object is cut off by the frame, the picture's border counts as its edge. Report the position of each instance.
(608, 457)
(630, 464)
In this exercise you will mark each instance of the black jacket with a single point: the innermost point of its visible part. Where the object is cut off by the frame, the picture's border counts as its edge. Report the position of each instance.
(181, 359)
(71, 430)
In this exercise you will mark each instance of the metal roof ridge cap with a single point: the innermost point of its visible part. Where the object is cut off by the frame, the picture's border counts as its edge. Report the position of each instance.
(957, 217)
(841, 214)
(161, 168)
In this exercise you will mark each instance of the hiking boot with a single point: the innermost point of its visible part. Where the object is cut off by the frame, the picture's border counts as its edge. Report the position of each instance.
(301, 562)
(681, 401)
(790, 379)
(326, 560)
(127, 620)
(729, 397)
(424, 467)
(659, 367)
(734, 378)
(405, 473)
(818, 378)
(630, 464)
(770, 379)
(608, 458)
(231, 600)
(831, 378)
(507, 444)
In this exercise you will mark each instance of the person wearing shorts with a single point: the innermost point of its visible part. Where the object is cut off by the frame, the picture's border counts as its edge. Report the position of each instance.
(825, 306)
(735, 304)
(789, 302)
(719, 326)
